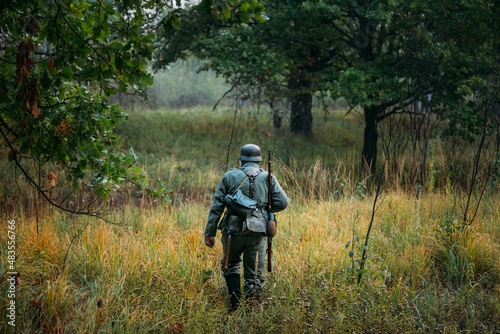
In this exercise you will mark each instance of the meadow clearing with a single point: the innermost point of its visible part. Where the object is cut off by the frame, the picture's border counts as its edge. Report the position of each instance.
(424, 272)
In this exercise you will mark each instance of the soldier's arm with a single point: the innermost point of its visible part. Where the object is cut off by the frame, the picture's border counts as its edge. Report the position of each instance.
(216, 209)
(280, 199)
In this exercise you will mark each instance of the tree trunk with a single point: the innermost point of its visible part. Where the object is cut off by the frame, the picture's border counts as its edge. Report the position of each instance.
(276, 120)
(276, 116)
(301, 105)
(369, 154)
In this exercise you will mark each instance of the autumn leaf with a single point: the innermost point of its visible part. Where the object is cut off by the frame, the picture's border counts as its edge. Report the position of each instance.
(35, 111)
(34, 97)
(63, 129)
(29, 94)
(23, 61)
(36, 303)
(51, 64)
(52, 179)
(176, 328)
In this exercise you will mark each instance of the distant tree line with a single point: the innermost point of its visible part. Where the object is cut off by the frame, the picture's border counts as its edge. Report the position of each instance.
(419, 59)
(61, 60)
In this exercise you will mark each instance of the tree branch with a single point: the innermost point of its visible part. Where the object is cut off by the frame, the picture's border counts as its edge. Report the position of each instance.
(43, 193)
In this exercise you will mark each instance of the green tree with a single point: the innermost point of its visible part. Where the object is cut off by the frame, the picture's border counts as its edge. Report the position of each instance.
(385, 56)
(404, 53)
(287, 57)
(60, 61)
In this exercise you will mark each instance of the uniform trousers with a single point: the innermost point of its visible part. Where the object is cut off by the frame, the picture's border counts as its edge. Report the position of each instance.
(253, 249)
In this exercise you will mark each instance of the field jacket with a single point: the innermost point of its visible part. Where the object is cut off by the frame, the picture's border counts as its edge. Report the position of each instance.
(230, 182)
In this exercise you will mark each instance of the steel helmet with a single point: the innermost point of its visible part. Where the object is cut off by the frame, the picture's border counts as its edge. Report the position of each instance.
(250, 152)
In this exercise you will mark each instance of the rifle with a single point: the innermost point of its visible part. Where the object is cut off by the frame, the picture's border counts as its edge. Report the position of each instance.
(227, 250)
(271, 224)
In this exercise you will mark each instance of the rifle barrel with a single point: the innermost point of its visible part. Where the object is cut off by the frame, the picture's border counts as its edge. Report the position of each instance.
(269, 204)
(269, 193)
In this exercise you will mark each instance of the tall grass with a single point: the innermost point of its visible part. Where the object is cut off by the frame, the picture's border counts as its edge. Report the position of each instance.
(191, 148)
(155, 274)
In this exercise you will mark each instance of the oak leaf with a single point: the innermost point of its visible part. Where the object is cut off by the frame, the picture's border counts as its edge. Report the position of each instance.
(63, 129)
(23, 61)
(52, 179)
(35, 111)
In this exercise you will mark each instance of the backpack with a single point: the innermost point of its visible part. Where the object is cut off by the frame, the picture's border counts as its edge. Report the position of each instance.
(244, 216)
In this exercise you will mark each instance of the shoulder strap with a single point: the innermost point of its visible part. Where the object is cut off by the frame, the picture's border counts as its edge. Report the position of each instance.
(242, 183)
(252, 175)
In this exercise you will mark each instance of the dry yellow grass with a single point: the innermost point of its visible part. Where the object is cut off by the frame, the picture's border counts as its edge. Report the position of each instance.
(155, 275)
(156, 272)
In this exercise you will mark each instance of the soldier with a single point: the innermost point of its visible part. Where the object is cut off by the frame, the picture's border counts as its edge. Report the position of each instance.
(236, 240)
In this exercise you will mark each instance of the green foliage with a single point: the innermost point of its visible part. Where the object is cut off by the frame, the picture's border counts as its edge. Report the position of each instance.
(358, 251)
(385, 56)
(199, 20)
(162, 192)
(61, 60)
(449, 226)
(460, 255)
(407, 51)
(289, 55)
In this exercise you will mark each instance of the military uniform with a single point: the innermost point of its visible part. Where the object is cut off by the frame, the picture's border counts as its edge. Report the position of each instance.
(253, 247)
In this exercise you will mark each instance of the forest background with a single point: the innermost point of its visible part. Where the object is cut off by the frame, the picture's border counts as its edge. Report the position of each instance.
(120, 117)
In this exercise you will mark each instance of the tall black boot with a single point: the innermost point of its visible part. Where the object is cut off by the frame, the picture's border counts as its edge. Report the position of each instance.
(234, 289)
(253, 291)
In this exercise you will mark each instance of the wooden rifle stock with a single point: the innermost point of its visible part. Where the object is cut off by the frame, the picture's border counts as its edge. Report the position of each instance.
(227, 251)
(269, 254)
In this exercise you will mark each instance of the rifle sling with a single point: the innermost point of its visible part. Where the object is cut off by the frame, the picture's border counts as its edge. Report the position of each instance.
(250, 175)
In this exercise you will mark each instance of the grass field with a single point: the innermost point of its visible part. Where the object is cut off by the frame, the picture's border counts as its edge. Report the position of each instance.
(154, 275)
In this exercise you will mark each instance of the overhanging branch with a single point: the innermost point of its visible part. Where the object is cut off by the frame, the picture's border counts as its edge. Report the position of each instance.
(35, 185)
